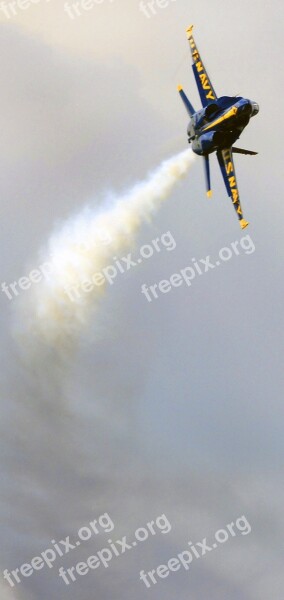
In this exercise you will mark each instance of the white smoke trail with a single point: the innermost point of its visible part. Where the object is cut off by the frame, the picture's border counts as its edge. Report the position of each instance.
(49, 314)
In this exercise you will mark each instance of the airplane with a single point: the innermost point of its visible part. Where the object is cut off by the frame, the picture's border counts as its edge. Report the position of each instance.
(216, 127)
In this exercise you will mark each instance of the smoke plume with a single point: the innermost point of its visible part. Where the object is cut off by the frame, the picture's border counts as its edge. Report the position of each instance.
(57, 310)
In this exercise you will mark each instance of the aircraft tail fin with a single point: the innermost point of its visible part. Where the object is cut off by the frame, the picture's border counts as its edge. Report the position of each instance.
(187, 103)
(241, 151)
(207, 176)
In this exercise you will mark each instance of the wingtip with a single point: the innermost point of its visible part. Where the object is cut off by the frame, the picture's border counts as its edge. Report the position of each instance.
(209, 194)
(189, 29)
(243, 223)
(180, 88)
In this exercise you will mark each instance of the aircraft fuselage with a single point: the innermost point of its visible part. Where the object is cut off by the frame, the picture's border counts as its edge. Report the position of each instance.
(220, 124)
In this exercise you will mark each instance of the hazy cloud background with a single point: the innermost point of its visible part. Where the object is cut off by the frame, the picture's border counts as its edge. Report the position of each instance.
(172, 407)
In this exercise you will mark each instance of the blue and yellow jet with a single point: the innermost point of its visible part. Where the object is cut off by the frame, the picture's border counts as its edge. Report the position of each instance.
(217, 126)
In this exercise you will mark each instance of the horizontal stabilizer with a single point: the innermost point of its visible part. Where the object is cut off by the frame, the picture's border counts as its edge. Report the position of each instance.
(187, 103)
(241, 151)
(207, 176)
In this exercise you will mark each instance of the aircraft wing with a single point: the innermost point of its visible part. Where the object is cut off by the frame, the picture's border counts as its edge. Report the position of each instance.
(226, 162)
(205, 87)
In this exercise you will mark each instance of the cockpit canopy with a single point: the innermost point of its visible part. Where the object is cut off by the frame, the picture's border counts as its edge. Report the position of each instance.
(227, 101)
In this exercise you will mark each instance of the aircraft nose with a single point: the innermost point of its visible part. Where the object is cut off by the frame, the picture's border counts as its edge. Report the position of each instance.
(255, 108)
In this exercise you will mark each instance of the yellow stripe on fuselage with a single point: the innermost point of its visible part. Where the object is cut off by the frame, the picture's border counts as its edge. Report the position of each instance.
(231, 113)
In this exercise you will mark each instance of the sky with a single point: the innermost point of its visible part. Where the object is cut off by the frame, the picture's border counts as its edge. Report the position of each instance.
(170, 407)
